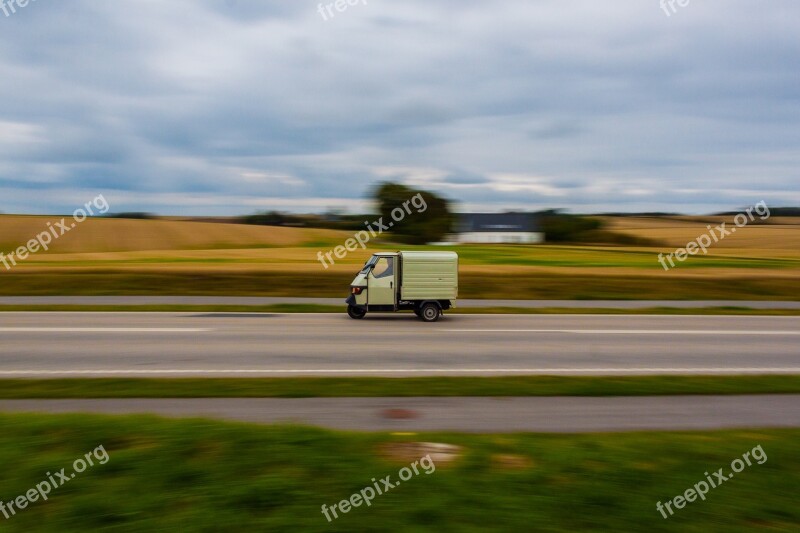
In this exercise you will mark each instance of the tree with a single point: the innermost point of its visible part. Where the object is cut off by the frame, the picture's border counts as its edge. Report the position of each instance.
(426, 217)
(561, 227)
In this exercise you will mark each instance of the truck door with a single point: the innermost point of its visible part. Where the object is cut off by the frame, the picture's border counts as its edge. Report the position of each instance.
(381, 284)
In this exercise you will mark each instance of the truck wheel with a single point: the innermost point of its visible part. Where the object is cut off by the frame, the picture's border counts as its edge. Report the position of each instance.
(430, 312)
(355, 312)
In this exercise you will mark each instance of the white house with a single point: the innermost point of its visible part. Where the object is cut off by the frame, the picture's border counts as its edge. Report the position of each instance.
(496, 228)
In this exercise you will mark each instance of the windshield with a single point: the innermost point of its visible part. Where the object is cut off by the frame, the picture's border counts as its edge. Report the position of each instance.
(369, 264)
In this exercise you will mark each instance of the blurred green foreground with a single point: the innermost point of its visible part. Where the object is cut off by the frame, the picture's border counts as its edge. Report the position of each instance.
(197, 475)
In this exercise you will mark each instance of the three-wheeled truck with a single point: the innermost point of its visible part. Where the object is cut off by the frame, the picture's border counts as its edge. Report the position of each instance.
(423, 282)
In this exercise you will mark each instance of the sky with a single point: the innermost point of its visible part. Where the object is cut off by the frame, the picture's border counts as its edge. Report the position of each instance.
(227, 107)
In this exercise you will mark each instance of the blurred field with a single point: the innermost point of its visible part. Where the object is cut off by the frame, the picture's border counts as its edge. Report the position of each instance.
(315, 308)
(97, 235)
(171, 257)
(775, 237)
(195, 475)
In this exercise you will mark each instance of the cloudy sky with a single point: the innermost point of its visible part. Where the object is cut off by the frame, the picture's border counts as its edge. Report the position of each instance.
(232, 106)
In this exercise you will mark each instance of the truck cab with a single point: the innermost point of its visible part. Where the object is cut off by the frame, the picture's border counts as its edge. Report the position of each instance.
(423, 282)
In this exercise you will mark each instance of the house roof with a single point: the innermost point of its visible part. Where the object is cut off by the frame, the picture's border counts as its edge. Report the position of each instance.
(493, 222)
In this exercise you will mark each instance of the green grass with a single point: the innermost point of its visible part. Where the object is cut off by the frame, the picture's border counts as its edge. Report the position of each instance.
(509, 255)
(597, 256)
(168, 308)
(583, 256)
(203, 476)
(626, 287)
(340, 309)
(523, 285)
(386, 387)
(722, 311)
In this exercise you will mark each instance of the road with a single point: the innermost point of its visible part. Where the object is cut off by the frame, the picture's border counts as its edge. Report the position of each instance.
(466, 303)
(486, 415)
(244, 344)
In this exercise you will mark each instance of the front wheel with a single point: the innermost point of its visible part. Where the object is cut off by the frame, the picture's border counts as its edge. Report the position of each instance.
(430, 312)
(355, 312)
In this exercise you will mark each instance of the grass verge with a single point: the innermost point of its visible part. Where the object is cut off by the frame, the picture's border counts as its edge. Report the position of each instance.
(340, 309)
(197, 475)
(523, 284)
(401, 387)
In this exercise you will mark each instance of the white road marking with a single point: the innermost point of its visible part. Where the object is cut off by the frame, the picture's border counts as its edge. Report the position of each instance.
(540, 371)
(633, 331)
(102, 330)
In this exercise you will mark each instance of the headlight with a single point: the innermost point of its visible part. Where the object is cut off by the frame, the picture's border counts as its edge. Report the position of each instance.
(358, 290)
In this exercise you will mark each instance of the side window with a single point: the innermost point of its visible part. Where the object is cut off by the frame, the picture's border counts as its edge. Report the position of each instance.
(384, 268)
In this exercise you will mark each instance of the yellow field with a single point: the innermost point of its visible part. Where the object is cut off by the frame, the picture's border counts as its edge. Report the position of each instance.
(176, 249)
(780, 237)
(120, 235)
(101, 236)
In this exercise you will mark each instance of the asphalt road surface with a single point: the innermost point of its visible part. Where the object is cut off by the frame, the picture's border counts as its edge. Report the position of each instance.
(243, 344)
(555, 414)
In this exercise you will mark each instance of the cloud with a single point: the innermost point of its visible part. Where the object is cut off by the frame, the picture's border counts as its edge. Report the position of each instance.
(231, 105)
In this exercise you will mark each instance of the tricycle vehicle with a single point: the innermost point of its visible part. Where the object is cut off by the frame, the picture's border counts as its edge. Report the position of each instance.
(423, 282)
